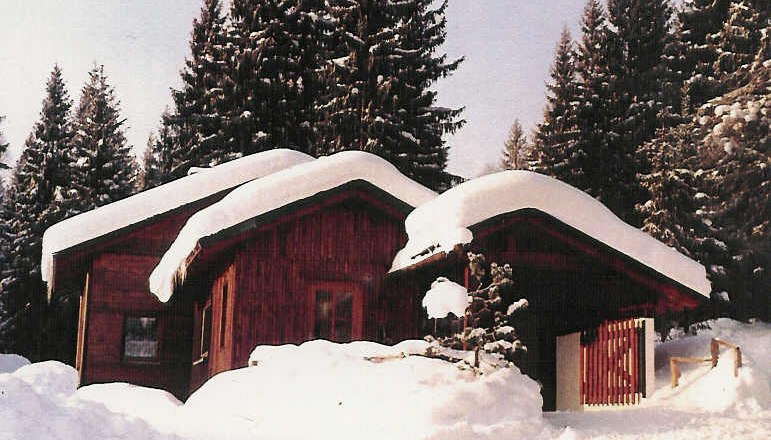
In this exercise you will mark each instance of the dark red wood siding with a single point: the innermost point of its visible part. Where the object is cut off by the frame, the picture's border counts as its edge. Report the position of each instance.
(345, 241)
(117, 268)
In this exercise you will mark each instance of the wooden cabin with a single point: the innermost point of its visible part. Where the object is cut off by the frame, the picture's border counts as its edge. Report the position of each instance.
(298, 255)
(106, 255)
(577, 264)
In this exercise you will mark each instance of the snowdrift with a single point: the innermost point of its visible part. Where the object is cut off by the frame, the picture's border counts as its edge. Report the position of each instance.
(323, 390)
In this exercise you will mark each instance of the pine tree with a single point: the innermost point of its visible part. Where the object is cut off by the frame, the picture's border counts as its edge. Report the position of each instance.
(383, 65)
(515, 149)
(197, 118)
(105, 170)
(554, 151)
(38, 197)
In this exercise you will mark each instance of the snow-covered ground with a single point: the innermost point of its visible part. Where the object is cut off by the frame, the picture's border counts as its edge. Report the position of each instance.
(323, 390)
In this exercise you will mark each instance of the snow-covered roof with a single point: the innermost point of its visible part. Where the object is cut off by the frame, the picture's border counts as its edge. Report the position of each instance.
(147, 204)
(440, 224)
(272, 192)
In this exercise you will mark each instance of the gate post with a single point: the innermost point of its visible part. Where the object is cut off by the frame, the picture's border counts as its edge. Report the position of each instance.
(649, 354)
(569, 372)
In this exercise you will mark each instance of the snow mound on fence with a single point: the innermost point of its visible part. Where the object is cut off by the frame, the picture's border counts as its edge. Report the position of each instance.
(161, 199)
(272, 192)
(11, 362)
(440, 224)
(325, 390)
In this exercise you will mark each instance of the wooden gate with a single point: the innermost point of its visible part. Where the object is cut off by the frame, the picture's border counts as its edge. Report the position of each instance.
(613, 363)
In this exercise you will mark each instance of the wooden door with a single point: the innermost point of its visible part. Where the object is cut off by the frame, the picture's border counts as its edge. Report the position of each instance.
(336, 311)
(221, 337)
(80, 349)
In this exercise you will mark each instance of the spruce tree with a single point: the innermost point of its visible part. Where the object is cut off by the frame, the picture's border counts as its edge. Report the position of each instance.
(158, 158)
(3, 148)
(197, 118)
(699, 19)
(5, 312)
(738, 42)
(277, 89)
(39, 196)
(384, 62)
(642, 29)
(104, 169)
(598, 112)
(515, 149)
(554, 148)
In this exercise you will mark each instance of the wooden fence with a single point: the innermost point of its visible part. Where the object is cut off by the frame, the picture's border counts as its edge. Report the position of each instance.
(613, 363)
(714, 349)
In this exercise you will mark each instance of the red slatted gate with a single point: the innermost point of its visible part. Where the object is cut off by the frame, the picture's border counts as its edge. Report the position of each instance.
(613, 363)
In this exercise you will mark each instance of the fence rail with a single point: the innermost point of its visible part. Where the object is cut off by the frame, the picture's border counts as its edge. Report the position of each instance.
(714, 349)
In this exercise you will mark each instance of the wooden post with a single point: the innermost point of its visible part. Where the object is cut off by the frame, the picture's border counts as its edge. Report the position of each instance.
(714, 350)
(737, 361)
(674, 369)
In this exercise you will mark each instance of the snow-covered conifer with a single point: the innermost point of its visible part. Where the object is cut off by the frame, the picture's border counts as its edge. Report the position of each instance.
(197, 120)
(380, 101)
(515, 149)
(277, 89)
(104, 170)
(157, 161)
(554, 145)
(38, 196)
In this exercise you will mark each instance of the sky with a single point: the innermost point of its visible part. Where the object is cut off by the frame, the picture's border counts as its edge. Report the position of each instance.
(508, 46)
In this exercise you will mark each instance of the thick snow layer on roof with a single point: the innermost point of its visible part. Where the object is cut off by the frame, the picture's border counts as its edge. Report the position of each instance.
(443, 222)
(155, 201)
(271, 192)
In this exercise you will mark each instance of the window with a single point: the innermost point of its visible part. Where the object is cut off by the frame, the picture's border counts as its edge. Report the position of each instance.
(140, 339)
(333, 315)
(206, 330)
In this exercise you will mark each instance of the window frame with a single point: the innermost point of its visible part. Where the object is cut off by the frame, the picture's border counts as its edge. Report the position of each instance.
(203, 355)
(335, 288)
(141, 360)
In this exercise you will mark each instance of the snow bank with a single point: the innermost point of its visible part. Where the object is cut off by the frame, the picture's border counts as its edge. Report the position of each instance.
(445, 297)
(322, 390)
(708, 404)
(156, 201)
(11, 362)
(39, 401)
(274, 191)
(440, 224)
(365, 390)
(706, 389)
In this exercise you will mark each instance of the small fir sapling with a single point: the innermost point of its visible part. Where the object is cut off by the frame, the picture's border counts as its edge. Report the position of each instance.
(496, 308)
